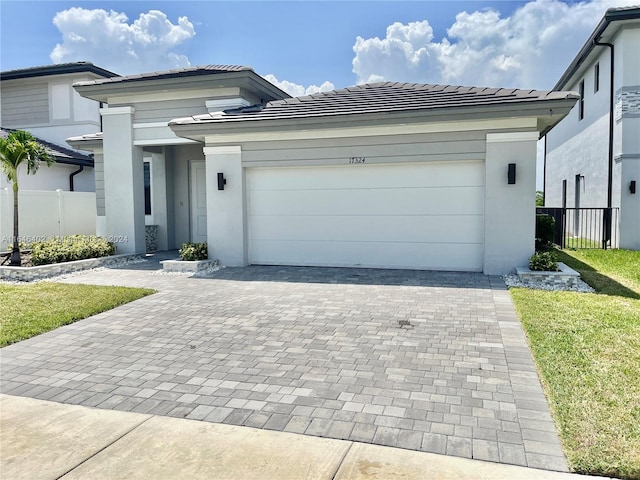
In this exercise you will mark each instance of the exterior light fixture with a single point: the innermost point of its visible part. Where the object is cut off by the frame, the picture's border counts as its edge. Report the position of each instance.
(511, 174)
(221, 181)
(632, 187)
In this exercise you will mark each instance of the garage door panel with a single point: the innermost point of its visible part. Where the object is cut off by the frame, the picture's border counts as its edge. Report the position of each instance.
(425, 216)
(387, 201)
(436, 174)
(414, 229)
(428, 256)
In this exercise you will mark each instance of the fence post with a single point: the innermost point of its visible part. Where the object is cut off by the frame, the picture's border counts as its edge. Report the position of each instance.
(563, 228)
(4, 217)
(60, 214)
(606, 230)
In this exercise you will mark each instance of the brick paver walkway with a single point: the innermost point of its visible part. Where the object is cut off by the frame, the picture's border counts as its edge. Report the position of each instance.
(426, 361)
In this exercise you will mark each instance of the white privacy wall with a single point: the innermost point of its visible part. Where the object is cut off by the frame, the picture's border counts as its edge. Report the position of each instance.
(46, 214)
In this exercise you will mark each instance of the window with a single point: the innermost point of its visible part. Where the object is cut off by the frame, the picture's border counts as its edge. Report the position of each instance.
(147, 188)
(581, 105)
(596, 78)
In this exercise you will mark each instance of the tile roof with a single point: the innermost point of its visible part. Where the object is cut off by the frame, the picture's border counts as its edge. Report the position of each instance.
(60, 153)
(176, 73)
(56, 69)
(378, 98)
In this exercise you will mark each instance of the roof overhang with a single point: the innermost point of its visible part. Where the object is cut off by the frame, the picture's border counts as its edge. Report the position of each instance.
(57, 69)
(90, 142)
(546, 113)
(245, 79)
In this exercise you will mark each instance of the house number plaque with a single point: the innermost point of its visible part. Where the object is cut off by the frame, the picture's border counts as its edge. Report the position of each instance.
(354, 160)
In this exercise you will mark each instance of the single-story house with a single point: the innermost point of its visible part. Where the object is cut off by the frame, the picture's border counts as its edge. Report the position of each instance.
(391, 175)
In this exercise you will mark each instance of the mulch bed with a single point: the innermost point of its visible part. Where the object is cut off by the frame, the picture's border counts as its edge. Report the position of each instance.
(25, 258)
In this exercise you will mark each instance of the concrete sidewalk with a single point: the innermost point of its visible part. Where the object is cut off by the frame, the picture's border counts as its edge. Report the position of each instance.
(47, 440)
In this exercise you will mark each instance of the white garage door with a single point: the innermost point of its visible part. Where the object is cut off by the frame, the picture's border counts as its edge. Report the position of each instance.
(418, 216)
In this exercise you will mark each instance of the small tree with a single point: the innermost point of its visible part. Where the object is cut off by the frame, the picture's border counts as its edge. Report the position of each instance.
(539, 199)
(17, 148)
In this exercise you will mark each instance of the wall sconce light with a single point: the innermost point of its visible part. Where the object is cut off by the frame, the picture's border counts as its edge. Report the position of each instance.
(632, 187)
(511, 174)
(221, 181)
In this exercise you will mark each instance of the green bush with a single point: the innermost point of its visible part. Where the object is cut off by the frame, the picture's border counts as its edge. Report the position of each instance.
(545, 231)
(544, 261)
(70, 248)
(193, 251)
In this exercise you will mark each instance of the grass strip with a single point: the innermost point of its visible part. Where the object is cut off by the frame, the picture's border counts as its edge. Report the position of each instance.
(587, 348)
(31, 309)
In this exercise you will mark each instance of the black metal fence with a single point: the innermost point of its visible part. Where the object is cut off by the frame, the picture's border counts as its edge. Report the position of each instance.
(584, 227)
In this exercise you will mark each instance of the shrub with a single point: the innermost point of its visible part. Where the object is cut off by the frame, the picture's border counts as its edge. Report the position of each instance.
(545, 231)
(544, 261)
(193, 251)
(70, 248)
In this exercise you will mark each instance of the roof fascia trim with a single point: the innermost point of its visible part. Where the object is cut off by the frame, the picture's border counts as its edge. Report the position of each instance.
(537, 108)
(372, 131)
(609, 18)
(245, 79)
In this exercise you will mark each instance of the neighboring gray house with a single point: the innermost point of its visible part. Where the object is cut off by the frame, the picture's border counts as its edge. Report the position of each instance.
(42, 101)
(389, 175)
(593, 156)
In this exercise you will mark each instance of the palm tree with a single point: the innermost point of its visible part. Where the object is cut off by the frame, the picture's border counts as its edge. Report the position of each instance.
(19, 147)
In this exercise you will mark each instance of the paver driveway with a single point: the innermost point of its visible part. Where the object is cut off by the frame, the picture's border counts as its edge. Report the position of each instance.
(427, 361)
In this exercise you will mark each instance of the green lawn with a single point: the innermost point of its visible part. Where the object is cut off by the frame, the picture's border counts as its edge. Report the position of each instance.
(32, 309)
(587, 348)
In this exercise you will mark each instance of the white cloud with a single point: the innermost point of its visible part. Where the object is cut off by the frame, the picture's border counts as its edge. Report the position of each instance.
(296, 90)
(107, 39)
(529, 49)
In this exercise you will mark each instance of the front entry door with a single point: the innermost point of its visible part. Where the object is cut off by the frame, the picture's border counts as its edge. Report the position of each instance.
(198, 202)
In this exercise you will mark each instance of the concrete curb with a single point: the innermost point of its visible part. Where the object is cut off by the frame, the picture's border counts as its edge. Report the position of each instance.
(51, 440)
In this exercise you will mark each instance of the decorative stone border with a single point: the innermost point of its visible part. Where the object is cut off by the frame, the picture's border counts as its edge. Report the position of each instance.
(181, 266)
(567, 276)
(151, 238)
(29, 274)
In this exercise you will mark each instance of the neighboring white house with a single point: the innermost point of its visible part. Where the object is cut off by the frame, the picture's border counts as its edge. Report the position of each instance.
(593, 156)
(387, 175)
(42, 101)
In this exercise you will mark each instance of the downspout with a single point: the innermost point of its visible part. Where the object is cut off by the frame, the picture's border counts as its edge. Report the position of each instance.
(80, 169)
(544, 173)
(611, 95)
(608, 217)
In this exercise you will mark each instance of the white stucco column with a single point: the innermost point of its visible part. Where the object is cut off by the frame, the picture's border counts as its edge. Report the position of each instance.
(123, 181)
(630, 203)
(98, 168)
(226, 236)
(509, 220)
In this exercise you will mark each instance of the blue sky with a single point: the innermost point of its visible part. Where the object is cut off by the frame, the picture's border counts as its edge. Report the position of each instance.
(306, 46)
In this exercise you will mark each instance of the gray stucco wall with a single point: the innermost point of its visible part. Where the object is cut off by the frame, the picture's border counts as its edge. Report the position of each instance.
(377, 149)
(586, 154)
(181, 157)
